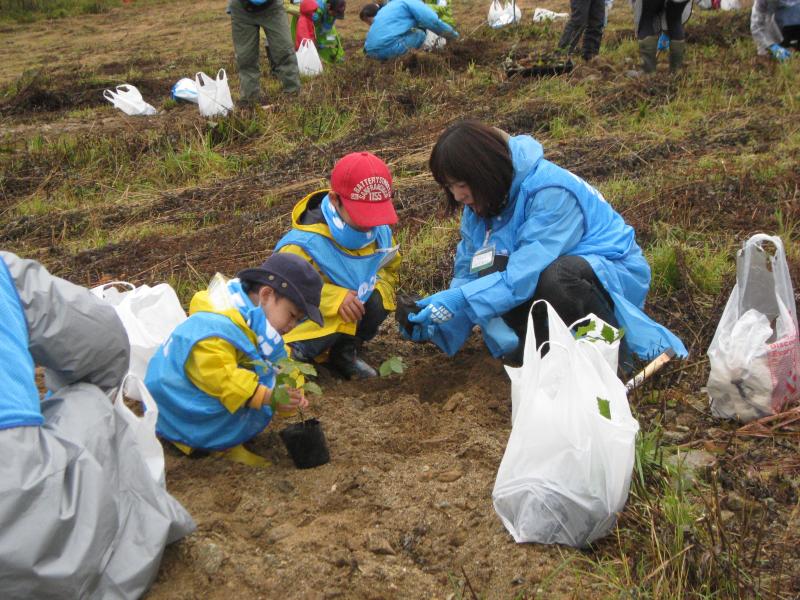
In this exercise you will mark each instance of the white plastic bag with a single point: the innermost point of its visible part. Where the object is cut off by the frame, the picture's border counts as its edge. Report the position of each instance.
(497, 15)
(567, 467)
(730, 5)
(513, 11)
(755, 353)
(185, 89)
(308, 60)
(433, 41)
(213, 95)
(149, 314)
(143, 429)
(543, 14)
(129, 100)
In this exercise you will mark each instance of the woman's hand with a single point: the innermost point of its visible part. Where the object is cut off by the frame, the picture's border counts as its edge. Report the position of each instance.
(351, 309)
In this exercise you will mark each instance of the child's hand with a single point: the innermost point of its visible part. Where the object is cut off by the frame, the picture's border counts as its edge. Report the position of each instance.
(351, 309)
(297, 399)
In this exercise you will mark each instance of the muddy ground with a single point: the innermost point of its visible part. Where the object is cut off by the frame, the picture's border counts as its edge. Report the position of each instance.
(404, 509)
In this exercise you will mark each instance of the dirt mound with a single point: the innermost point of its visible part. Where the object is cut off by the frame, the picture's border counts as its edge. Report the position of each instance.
(48, 92)
(721, 29)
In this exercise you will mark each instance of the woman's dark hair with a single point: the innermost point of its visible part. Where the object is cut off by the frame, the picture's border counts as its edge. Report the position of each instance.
(476, 154)
(369, 10)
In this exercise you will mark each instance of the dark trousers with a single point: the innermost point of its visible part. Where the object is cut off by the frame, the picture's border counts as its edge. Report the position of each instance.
(586, 18)
(791, 36)
(366, 329)
(572, 289)
(673, 11)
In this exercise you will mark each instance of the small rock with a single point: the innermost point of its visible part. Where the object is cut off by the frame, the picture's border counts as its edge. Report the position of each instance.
(673, 437)
(726, 515)
(270, 511)
(377, 544)
(737, 503)
(453, 402)
(280, 532)
(517, 581)
(210, 556)
(450, 476)
(443, 504)
(457, 539)
(284, 486)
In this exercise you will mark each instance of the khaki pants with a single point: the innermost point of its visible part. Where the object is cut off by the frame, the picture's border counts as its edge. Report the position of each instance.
(245, 28)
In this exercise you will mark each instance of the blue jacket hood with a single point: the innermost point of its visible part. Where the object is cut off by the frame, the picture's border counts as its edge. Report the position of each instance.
(526, 153)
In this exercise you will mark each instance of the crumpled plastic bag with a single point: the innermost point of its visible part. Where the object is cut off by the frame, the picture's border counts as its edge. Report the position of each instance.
(129, 100)
(542, 14)
(185, 89)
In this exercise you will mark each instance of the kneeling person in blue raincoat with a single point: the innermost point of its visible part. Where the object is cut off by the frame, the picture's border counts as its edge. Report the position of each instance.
(531, 230)
(214, 377)
(81, 515)
(399, 26)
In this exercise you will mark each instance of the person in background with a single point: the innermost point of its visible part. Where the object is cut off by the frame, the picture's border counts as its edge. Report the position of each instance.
(316, 21)
(248, 18)
(775, 27)
(587, 20)
(530, 231)
(214, 379)
(344, 233)
(651, 18)
(81, 515)
(400, 26)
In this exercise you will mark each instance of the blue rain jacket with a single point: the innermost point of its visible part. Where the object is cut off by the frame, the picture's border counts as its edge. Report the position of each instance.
(400, 26)
(188, 415)
(553, 213)
(19, 399)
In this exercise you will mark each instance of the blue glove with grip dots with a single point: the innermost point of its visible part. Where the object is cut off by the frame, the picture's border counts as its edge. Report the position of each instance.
(663, 42)
(780, 53)
(439, 308)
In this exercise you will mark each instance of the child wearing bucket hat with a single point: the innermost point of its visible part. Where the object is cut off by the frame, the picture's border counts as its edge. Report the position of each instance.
(213, 378)
(344, 233)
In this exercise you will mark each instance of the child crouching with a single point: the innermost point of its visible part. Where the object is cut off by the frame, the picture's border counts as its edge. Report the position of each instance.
(214, 377)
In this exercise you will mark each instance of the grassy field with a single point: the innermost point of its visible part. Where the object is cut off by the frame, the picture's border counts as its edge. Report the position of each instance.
(696, 163)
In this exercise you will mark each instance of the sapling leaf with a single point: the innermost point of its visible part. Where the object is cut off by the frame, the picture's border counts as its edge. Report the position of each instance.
(584, 330)
(608, 334)
(605, 407)
(305, 368)
(280, 395)
(392, 365)
(312, 388)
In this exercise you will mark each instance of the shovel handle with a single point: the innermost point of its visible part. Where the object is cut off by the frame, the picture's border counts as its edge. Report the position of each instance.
(650, 368)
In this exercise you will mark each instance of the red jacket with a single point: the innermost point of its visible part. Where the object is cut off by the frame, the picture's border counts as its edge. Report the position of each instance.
(305, 23)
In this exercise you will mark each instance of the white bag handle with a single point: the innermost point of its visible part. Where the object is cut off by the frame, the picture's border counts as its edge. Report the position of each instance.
(126, 284)
(109, 95)
(224, 75)
(202, 79)
(145, 426)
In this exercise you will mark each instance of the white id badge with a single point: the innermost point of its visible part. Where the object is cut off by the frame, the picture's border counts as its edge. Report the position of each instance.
(482, 259)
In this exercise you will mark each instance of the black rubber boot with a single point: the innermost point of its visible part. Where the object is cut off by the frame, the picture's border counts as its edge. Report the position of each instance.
(344, 358)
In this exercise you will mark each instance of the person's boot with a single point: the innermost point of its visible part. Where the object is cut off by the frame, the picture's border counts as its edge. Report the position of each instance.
(648, 47)
(344, 358)
(677, 53)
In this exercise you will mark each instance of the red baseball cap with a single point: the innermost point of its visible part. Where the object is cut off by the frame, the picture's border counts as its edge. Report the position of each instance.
(364, 184)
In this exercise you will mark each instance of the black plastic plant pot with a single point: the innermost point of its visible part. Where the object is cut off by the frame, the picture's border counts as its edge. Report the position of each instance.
(306, 444)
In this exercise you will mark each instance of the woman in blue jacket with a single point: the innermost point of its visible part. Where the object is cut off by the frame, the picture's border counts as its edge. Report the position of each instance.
(400, 26)
(531, 230)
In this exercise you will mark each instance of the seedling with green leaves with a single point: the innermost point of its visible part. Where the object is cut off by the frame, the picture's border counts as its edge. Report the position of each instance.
(293, 374)
(394, 364)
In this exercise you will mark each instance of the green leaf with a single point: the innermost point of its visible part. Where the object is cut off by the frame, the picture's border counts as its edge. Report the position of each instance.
(392, 365)
(312, 388)
(608, 334)
(605, 407)
(305, 368)
(279, 396)
(582, 331)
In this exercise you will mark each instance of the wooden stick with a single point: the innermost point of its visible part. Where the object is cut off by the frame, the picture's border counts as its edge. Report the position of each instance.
(650, 368)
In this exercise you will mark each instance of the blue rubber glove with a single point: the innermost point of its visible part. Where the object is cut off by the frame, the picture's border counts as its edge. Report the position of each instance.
(439, 308)
(780, 53)
(663, 42)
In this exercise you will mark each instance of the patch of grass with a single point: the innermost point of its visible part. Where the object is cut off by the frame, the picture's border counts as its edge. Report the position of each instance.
(428, 256)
